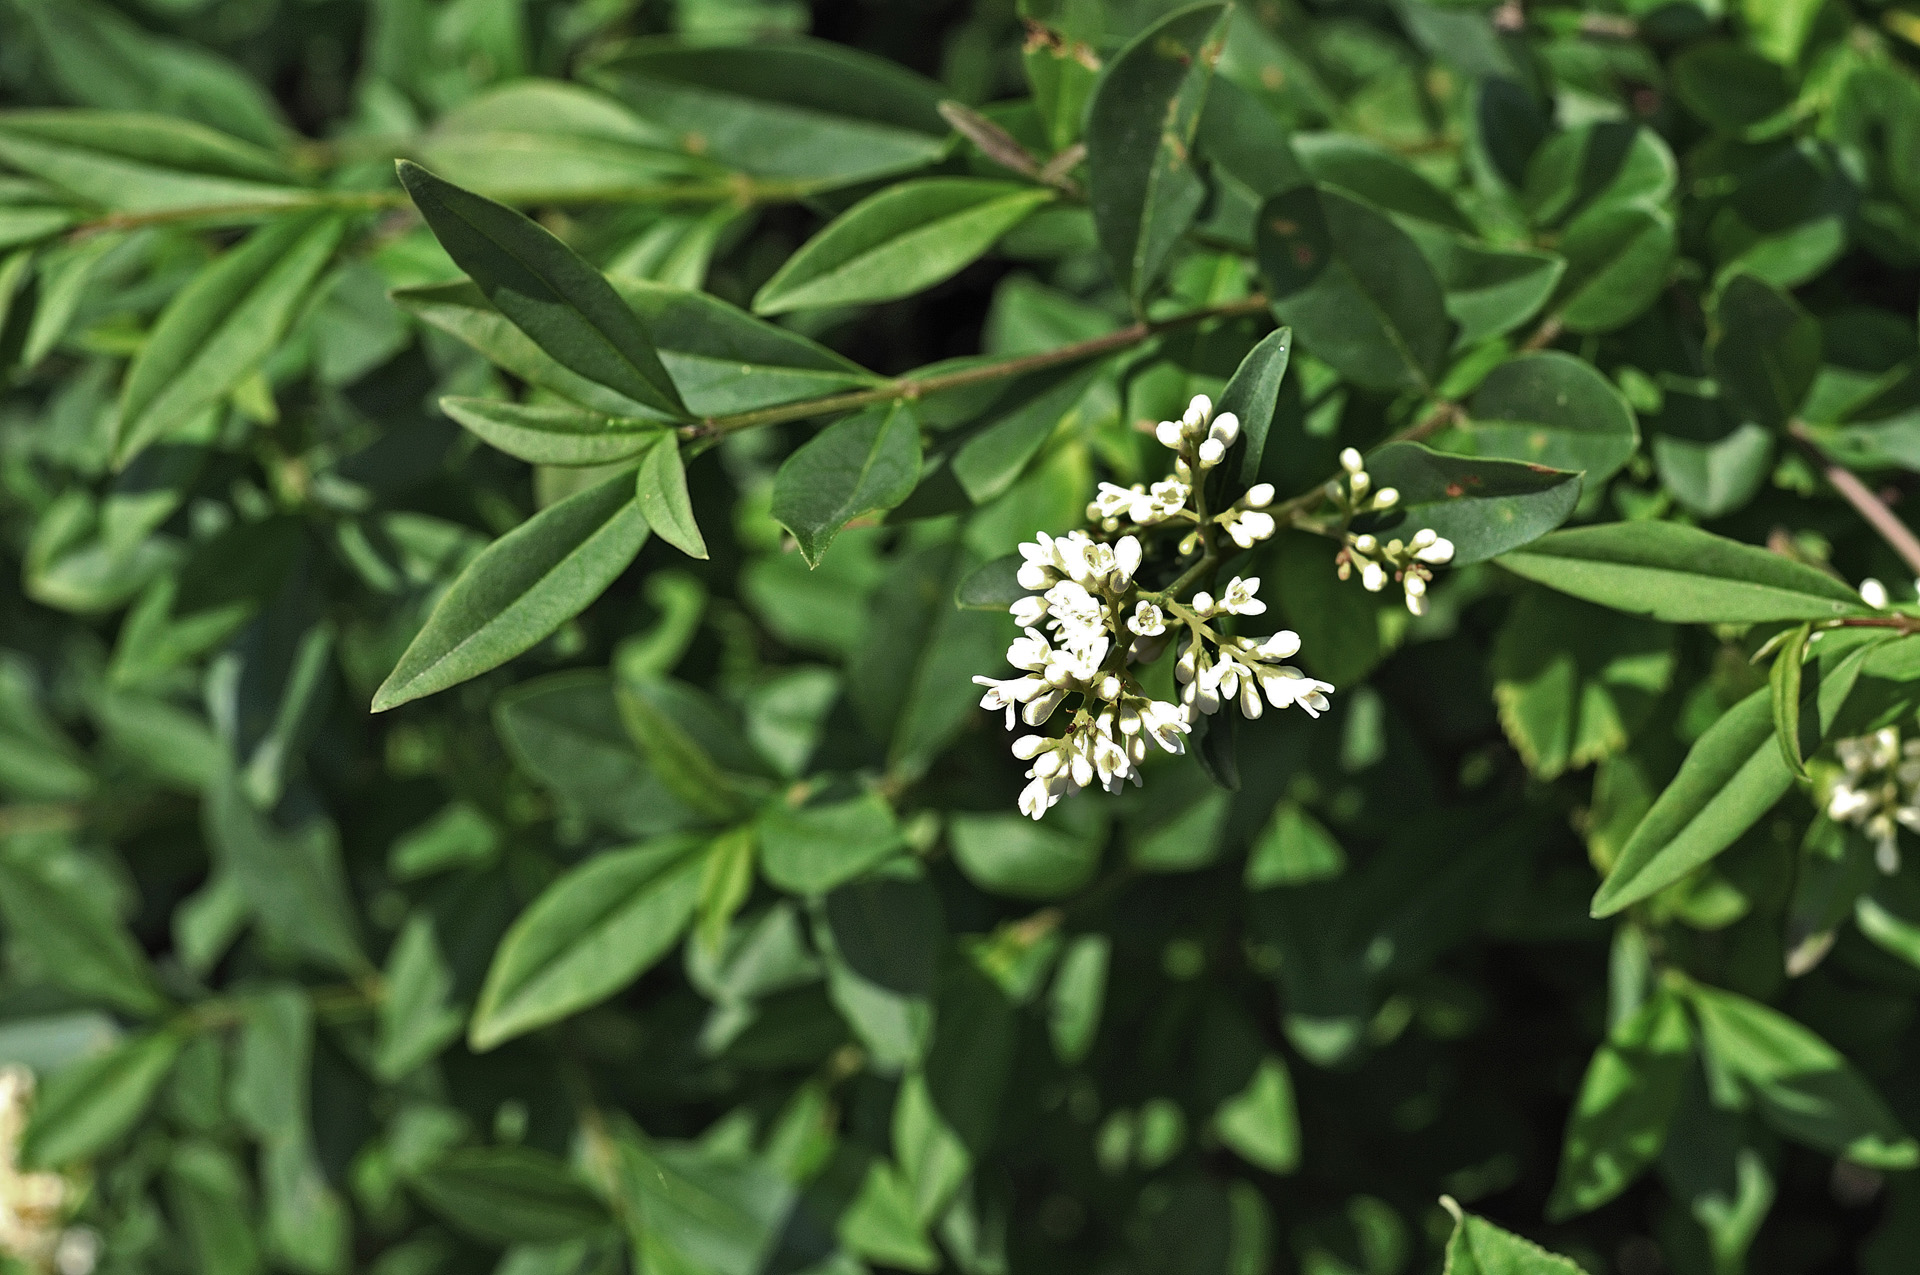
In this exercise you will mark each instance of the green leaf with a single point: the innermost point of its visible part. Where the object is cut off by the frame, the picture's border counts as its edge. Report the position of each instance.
(292, 878)
(90, 1105)
(1682, 575)
(1602, 164)
(692, 1209)
(543, 141)
(1354, 288)
(1478, 1247)
(543, 286)
(210, 1195)
(1016, 429)
(899, 241)
(417, 1016)
(1763, 348)
(1806, 1090)
(661, 489)
(1140, 134)
(881, 938)
(1619, 1122)
(725, 360)
(1783, 684)
(1573, 682)
(566, 731)
(1078, 992)
(510, 1195)
(1731, 88)
(521, 588)
(992, 586)
(1551, 409)
(691, 744)
(135, 163)
(864, 464)
(1253, 394)
(1618, 258)
(1489, 291)
(55, 909)
(218, 329)
(588, 935)
(818, 113)
(1732, 775)
(810, 850)
(1486, 507)
(1376, 176)
(1259, 1123)
(554, 434)
(1012, 855)
(1294, 849)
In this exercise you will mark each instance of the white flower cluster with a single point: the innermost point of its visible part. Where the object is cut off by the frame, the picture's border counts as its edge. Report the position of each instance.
(1878, 790)
(1088, 624)
(1410, 562)
(32, 1204)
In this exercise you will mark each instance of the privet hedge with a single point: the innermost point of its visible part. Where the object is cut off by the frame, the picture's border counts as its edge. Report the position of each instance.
(510, 504)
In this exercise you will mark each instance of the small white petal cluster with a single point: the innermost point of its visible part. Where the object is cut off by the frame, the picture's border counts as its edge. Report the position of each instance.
(32, 1204)
(1088, 625)
(1878, 790)
(1410, 562)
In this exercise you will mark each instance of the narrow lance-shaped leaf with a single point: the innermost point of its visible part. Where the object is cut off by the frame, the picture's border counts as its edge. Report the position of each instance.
(864, 464)
(589, 934)
(1732, 775)
(220, 328)
(93, 1104)
(1783, 683)
(1252, 395)
(1140, 132)
(550, 293)
(906, 238)
(145, 163)
(661, 489)
(552, 433)
(521, 588)
(1682, 574)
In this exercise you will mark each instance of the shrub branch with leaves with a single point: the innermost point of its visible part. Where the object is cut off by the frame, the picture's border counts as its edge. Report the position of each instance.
(492, 743)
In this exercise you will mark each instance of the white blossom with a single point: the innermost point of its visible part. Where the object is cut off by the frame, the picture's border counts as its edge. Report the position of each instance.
(1878, 790)
(1147, 620)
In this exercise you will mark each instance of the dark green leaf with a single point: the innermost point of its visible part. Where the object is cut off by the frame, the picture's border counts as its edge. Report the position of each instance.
(1354, 288)
(1783, 684)
(54, 907)
(93, 1104)
(1478, 1247)
(523, 587)
(543, 286)
(510, 1195)
(1253, 394)
(1618, 257)
(1764, 349)
(137, 163)
(810, 850)
(1486, 507)
(1140, 134)
(1549, 409)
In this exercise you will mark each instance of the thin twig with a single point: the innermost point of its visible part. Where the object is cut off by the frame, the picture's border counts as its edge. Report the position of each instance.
(1546, 334)
(911, 387)
(1856, 493)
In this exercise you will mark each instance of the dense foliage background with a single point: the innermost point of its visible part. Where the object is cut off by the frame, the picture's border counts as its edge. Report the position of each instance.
(675, 916)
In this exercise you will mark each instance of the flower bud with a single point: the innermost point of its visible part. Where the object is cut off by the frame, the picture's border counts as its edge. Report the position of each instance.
(1350, 460)
(1386, 498)
(1258, 496)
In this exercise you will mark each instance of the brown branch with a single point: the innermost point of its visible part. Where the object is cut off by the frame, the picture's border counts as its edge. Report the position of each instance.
(1546, 334)
(912, 387)
(1856, 493)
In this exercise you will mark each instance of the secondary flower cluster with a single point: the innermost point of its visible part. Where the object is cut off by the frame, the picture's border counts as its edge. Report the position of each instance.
(1089, 624)
(1410, 562)
(32, 1204)
(1878, 790)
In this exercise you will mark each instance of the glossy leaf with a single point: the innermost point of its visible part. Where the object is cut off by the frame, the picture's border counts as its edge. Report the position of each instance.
(524, 586)
(589, 934)
(1486, 507)
(1140, 134)
(1549, 409)
(1354, 288)
(900, 241)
